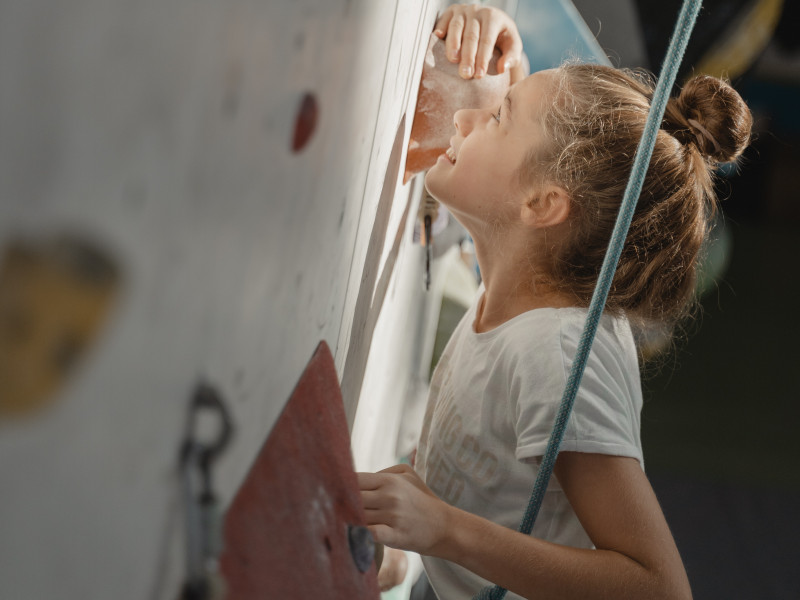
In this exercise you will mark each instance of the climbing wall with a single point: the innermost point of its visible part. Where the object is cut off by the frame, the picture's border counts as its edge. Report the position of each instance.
(194, 195)
(235, 167)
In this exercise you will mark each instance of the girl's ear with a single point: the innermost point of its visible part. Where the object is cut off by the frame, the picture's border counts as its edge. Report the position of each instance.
(549, 207)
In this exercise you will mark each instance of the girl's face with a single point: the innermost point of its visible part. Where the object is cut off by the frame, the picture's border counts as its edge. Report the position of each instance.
(478, 177)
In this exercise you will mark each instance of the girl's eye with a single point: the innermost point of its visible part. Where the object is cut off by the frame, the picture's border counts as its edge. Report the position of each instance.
(497, 115)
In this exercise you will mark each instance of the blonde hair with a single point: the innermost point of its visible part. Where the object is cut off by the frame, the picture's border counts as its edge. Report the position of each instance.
(593, 127)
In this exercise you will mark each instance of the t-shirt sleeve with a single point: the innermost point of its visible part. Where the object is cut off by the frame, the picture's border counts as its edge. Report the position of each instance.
(605, 416)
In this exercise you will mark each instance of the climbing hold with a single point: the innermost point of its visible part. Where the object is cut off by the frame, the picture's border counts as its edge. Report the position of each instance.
(362, 546)
(55, 295)
(286, 529)
(306, 122)
(442, 91)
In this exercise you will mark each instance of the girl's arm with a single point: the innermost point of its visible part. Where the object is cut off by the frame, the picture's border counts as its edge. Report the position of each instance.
(635, 557)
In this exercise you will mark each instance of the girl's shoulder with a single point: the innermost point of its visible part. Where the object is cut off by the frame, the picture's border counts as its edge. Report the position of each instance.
(553, 329)
(560, 330)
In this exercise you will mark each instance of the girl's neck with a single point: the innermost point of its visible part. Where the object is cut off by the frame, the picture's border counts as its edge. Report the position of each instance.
(512, 286)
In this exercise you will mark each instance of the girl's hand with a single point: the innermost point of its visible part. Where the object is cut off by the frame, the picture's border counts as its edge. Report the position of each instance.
(401, 510)
(471, 33)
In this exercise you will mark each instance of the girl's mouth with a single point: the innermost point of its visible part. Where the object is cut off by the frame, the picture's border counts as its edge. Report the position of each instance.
(451, 154)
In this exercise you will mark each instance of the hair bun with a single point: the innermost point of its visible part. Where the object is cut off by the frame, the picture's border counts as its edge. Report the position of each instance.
(712, 115)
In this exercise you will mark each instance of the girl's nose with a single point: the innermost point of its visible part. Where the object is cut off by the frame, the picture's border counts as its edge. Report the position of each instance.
(465, 120)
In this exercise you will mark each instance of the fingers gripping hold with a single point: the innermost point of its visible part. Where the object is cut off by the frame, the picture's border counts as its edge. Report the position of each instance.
(401, 511)
(469, 47)
(489, 37)
(455, 32)
(471, 34)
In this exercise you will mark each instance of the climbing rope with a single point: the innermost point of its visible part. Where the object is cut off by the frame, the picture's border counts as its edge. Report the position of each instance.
(669, 70)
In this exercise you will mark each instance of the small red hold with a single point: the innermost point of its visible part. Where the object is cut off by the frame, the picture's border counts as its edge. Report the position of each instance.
(306, 122)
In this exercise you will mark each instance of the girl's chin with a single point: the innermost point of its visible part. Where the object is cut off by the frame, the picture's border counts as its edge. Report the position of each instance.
(439, 177)
(430, 181)
(442, 163)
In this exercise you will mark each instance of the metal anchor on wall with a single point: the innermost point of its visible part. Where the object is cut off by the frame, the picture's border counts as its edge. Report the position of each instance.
(428, 212)
(202, 515)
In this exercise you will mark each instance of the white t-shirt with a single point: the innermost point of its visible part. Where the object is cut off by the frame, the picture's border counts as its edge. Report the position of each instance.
(492, 405)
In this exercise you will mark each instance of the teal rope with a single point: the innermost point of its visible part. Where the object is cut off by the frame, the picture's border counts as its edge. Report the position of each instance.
(669, 70)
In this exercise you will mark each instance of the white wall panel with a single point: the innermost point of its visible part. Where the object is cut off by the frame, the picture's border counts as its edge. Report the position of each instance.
(162, 132)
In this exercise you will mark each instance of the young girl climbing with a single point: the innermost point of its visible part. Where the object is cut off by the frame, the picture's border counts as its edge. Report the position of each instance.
(537, 182)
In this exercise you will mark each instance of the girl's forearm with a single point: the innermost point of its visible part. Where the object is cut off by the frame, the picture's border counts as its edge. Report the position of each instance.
(533, 568)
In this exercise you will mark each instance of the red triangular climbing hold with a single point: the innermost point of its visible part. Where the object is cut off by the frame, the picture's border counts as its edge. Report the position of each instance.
(286, 531)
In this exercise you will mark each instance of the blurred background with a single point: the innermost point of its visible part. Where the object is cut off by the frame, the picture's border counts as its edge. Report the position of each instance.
(722, 414)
